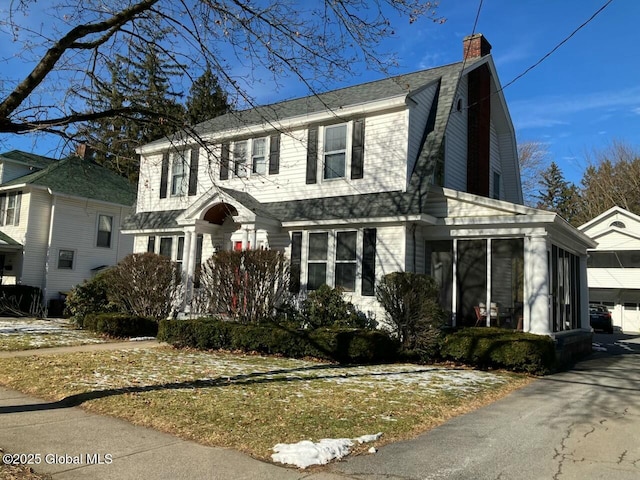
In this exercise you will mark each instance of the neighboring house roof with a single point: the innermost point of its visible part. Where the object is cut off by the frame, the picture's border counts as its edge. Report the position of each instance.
(81, 178)
(26, 158)
(152, 220)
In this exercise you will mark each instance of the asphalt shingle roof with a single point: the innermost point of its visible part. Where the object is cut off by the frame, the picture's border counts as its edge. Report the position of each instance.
(81, 178)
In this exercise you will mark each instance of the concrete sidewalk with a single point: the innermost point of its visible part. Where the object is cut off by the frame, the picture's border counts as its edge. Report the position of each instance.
(65, 434)
(62, 435)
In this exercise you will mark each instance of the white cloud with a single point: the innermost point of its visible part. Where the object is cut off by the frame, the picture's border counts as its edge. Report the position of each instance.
(551, 111)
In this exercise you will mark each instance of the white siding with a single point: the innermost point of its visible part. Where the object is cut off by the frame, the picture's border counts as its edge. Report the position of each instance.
(36, 237)
(455, 163)
(385, 155)
(75, 228)
(12, 170)
(495, 164)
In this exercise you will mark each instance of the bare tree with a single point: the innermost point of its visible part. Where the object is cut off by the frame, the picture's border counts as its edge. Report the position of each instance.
(612, 178)
(245, 42)
(534, 159)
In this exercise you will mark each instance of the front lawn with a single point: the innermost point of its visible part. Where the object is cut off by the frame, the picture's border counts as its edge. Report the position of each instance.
(251, 402)
(30, 333)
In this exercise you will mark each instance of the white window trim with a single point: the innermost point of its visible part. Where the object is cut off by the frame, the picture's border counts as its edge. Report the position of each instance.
(184, 183)
(331, 258)
(248, 165)
(113, 229)
(73, 261)
(347, 154)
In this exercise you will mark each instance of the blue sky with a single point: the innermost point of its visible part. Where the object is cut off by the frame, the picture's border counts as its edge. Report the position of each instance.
(580, 99)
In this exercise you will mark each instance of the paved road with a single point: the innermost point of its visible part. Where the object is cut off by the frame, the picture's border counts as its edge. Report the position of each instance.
(581, 424)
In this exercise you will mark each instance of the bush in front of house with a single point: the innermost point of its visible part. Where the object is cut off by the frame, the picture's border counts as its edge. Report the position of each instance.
(326, 307)
(120, 325)
(91, 296)
(246, 286)
(20, 300)
(342, 345)
(145, 285)
(498, 348)
(410, 301)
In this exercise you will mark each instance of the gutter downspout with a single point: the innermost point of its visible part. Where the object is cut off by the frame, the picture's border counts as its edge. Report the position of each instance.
(48, 252)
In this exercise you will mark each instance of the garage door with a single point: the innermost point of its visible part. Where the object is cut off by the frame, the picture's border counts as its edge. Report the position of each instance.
(630, 317)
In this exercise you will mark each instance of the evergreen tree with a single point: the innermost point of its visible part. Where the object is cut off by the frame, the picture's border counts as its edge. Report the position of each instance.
(557, 195)
(206, 99)
(141, 81)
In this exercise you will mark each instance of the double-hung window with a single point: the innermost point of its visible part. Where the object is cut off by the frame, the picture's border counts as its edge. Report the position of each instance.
(178, 175)
(10, 208)
(335, 151)
(259, 156)
(345, 269)
(240, 158)
(105, 227)
(65, 259)
(166, 245)
(317, 265)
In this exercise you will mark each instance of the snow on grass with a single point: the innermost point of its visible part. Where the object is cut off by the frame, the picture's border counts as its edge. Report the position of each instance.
(596, 347)
(30, 333)
(306, 453)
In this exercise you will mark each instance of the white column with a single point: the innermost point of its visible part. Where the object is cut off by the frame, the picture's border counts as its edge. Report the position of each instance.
(488, 300)
(584, 294)
(253, 239)
(191, 242)
(454, 287)
(245, 238)
(537, 318)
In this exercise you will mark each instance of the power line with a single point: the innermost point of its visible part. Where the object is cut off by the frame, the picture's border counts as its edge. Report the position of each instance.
(566, 39)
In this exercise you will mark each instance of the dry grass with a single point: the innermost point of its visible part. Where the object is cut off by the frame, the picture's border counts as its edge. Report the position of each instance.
(19, 472)
(250, 402)
(30, 333)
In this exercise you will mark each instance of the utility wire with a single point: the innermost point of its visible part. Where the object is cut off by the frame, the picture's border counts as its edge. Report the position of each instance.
(557, 46)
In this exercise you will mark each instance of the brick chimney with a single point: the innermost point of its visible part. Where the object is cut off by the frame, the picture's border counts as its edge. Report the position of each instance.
(474, 46)
(84, 151)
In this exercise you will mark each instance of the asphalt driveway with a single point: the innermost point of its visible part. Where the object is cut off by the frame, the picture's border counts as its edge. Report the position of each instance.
(580, 424)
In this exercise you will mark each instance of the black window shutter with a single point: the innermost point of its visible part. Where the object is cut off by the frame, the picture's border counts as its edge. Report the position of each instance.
(312, 154)
(164, 175)
(369, 261)
(274, 154)
(296, 260)
(357, 149)
(224, 162)
(193, 171)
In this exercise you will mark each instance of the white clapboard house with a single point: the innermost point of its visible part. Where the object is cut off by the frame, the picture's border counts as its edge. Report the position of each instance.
(416, 173)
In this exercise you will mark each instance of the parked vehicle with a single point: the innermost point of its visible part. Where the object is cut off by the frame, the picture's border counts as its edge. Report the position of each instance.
(600, 318)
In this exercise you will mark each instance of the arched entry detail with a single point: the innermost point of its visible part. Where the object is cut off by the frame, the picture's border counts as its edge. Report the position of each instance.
(219, 212)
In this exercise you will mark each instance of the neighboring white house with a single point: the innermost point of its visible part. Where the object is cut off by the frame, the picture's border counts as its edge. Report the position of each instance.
(59, 220)
(613, 266)
(417, 173)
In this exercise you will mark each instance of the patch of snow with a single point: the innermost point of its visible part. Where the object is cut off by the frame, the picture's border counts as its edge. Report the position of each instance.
(141, 339)
(306, 453)
(596, 347)
(372, 450)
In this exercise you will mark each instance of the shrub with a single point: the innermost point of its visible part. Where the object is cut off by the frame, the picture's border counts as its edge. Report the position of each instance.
(91, 296)
(121, 325)
(498, 348)
(342, 345)
(411, 304)
(326, 307)
(20, 300)
(248, 286)
(145, 285)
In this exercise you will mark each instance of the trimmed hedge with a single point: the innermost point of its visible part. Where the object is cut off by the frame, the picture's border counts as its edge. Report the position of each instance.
(498, 348)
(120, 325)
(344, 345)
